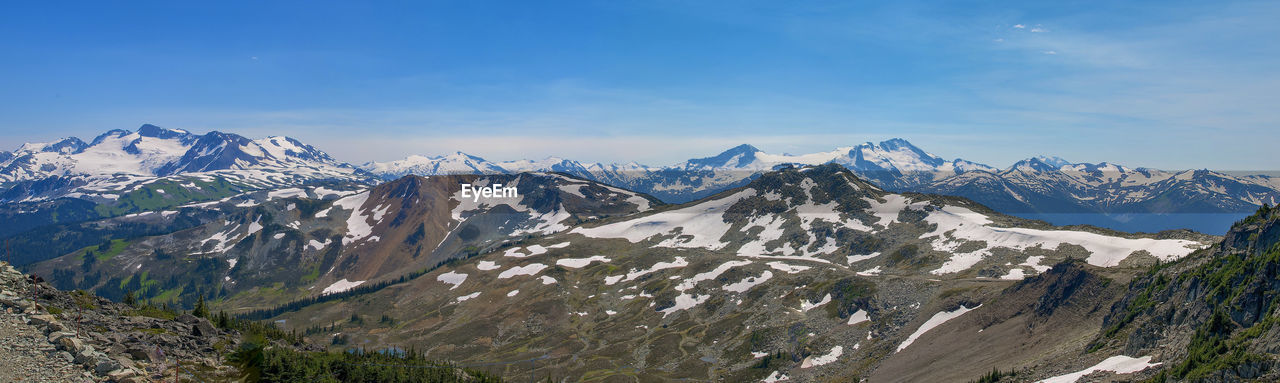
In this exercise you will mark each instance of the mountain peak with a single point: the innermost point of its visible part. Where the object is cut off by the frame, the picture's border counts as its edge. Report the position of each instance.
(895, 143)
(736, 157)
(148, 130)
(1053, 160)
(1035, 164)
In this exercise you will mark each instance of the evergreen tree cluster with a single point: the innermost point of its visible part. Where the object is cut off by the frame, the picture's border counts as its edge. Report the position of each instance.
(356, 291)
(263, 363)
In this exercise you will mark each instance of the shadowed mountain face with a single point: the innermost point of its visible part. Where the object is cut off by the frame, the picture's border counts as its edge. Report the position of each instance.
(1211, 316)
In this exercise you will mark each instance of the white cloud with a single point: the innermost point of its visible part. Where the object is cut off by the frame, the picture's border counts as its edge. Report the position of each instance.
(1019, 26)
(1038, 30)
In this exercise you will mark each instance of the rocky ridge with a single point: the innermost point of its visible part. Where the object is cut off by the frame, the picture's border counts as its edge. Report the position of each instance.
(55, 336)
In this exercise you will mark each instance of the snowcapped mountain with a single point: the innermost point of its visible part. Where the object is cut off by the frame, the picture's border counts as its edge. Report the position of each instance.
(1112, 195)
(895, 163)
(1044, 187)
(156, 151)
(892, 164)
(455, 163)
(121, 157)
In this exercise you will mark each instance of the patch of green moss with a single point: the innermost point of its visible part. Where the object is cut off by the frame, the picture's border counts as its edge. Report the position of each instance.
(166, 194)
(153, 312)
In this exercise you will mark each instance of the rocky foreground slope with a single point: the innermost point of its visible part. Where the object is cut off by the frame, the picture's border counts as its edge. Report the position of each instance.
(47, 335)
(54, 336)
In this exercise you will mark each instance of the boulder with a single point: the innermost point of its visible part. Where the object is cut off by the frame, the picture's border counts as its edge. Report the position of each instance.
(121, 374)
(187, 319)
(54, 336)
(87, 356)
(71, 344)
(203, 328)
(125, 362)
(142, 354)
(103, 365)
(43, 320)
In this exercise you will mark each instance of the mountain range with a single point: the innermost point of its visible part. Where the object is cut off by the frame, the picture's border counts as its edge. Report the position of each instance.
(156, 151)
(1049, 188)
(801, 272)
(810, 273)
(73, 175)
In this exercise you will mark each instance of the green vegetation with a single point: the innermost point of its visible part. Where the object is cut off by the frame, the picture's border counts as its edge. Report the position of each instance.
(1236, 286)
(773, 361)
(261, 362)
(158, 312)
(1139, 305)
(103, 251)
(255, 329)
(357, 291)
(848, 295)
(311, 276)
(80, 238)
(995, 375)
(1213, 347)
(83, 299)
(201, 310)
(165, 194)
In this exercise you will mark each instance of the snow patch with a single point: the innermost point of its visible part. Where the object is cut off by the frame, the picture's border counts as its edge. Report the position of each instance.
(452, 278)
(709, 275)
(467, 297)
(633, 274)
(789, 269)
(749, 282)
(697, 226)
(1119, 364)
(530, 269)
(578, 263)
(829, 357)
(858, 317)
(935, 321)
(775, 377)
(684, 302)
(805, 305)
(340, 286)
(859, 258)
(957, 226)
(1015, 274)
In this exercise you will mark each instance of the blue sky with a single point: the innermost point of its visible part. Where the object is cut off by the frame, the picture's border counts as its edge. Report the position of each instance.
(1160, 84)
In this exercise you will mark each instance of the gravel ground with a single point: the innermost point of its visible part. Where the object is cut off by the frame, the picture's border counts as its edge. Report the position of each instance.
(27, 356)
